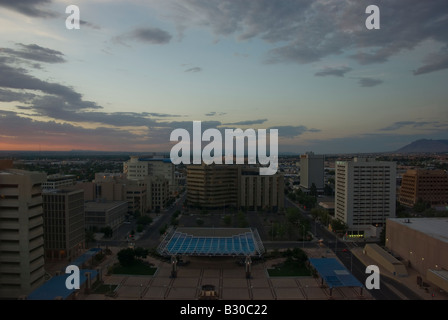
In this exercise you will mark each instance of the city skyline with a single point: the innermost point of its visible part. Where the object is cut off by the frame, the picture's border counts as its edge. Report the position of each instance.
(137, 70)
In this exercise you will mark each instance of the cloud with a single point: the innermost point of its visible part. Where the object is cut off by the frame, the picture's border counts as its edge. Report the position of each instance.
(369, 82)
(10, 96)
(31, 8)
(247, 122)
(194, 69)
(434, 62)
(89, 24)
(306, 31)
(35, 53)
(214, 113)
(145, 35)
(333, 71)
(292, 131)
(414, 124)
(17, 78)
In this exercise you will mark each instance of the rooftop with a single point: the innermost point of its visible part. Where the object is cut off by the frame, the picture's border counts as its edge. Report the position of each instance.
(434, 227)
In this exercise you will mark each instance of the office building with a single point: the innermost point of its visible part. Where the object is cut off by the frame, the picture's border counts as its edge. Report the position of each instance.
(57, 181)
(21, 231)
(257, 192)
(101, 214)
(212, 186)
(312, 171)
(422, 244)
(430, 186)
(365, 195)
(64, 223)
(140, 168)
(239, 186)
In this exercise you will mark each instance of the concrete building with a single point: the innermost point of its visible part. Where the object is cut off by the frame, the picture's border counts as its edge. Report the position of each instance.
(312, 171)
(101, 214)
(158, 192)
(365, 195)
(212, 186)
(258, 192)
(21, 231)
(64, 223)
(422, 243)
(429, 186)
(239, 186)
(57, 181)
(115, 187)
(140, 168)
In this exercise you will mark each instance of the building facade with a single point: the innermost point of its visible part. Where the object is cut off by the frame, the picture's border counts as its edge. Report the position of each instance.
(430, 186)
(212, 186)
(64, 223)
(57, 181)
(140, 168)
(21, 231)
(365, 195)
(422, 244)
(258, 192)
(312, 171)
(101, 214)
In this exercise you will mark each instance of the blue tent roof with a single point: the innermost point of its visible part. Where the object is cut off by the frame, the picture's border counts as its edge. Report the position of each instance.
(55, 287)
(85, 257)
(334, 273)
(219, 242)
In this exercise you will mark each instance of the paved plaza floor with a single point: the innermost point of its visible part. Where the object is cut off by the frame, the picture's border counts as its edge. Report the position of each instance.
(229, 279)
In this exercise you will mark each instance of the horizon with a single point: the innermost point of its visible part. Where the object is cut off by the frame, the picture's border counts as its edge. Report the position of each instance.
(135, 71)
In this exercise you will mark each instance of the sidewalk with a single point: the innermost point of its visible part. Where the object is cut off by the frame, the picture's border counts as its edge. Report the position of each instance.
(410, 281)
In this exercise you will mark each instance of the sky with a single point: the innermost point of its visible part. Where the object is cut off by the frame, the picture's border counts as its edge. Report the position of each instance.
(137, 70)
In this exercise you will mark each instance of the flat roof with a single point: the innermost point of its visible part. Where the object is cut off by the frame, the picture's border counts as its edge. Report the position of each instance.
(103, 205)
(334, 273)
(434, 227)
(55, 287)
(212, 242)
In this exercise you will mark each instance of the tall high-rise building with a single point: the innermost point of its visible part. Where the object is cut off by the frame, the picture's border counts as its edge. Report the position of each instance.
(365, 194)
(312, 171)
(21, 231)
(64, 223)
(212, 186)
(429, 186)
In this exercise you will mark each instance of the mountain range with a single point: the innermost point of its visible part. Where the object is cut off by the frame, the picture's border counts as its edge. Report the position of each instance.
(425, 146)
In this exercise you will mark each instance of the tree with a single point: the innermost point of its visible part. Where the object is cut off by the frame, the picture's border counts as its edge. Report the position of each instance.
(140, 252)
(126, 257)
(339, 226)
(293, 215)
(107, 231)
(313, 190)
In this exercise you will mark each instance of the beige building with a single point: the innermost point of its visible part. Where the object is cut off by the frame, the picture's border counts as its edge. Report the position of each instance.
(312, 171)
(422, 243)
(212, 186)
(57, 181)
(239, 186)
(429, 186)
(100, 214)
(140, 168)
(365, 195)
(115, 187)
(21, 231)
(258, 192)
(64, 223)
